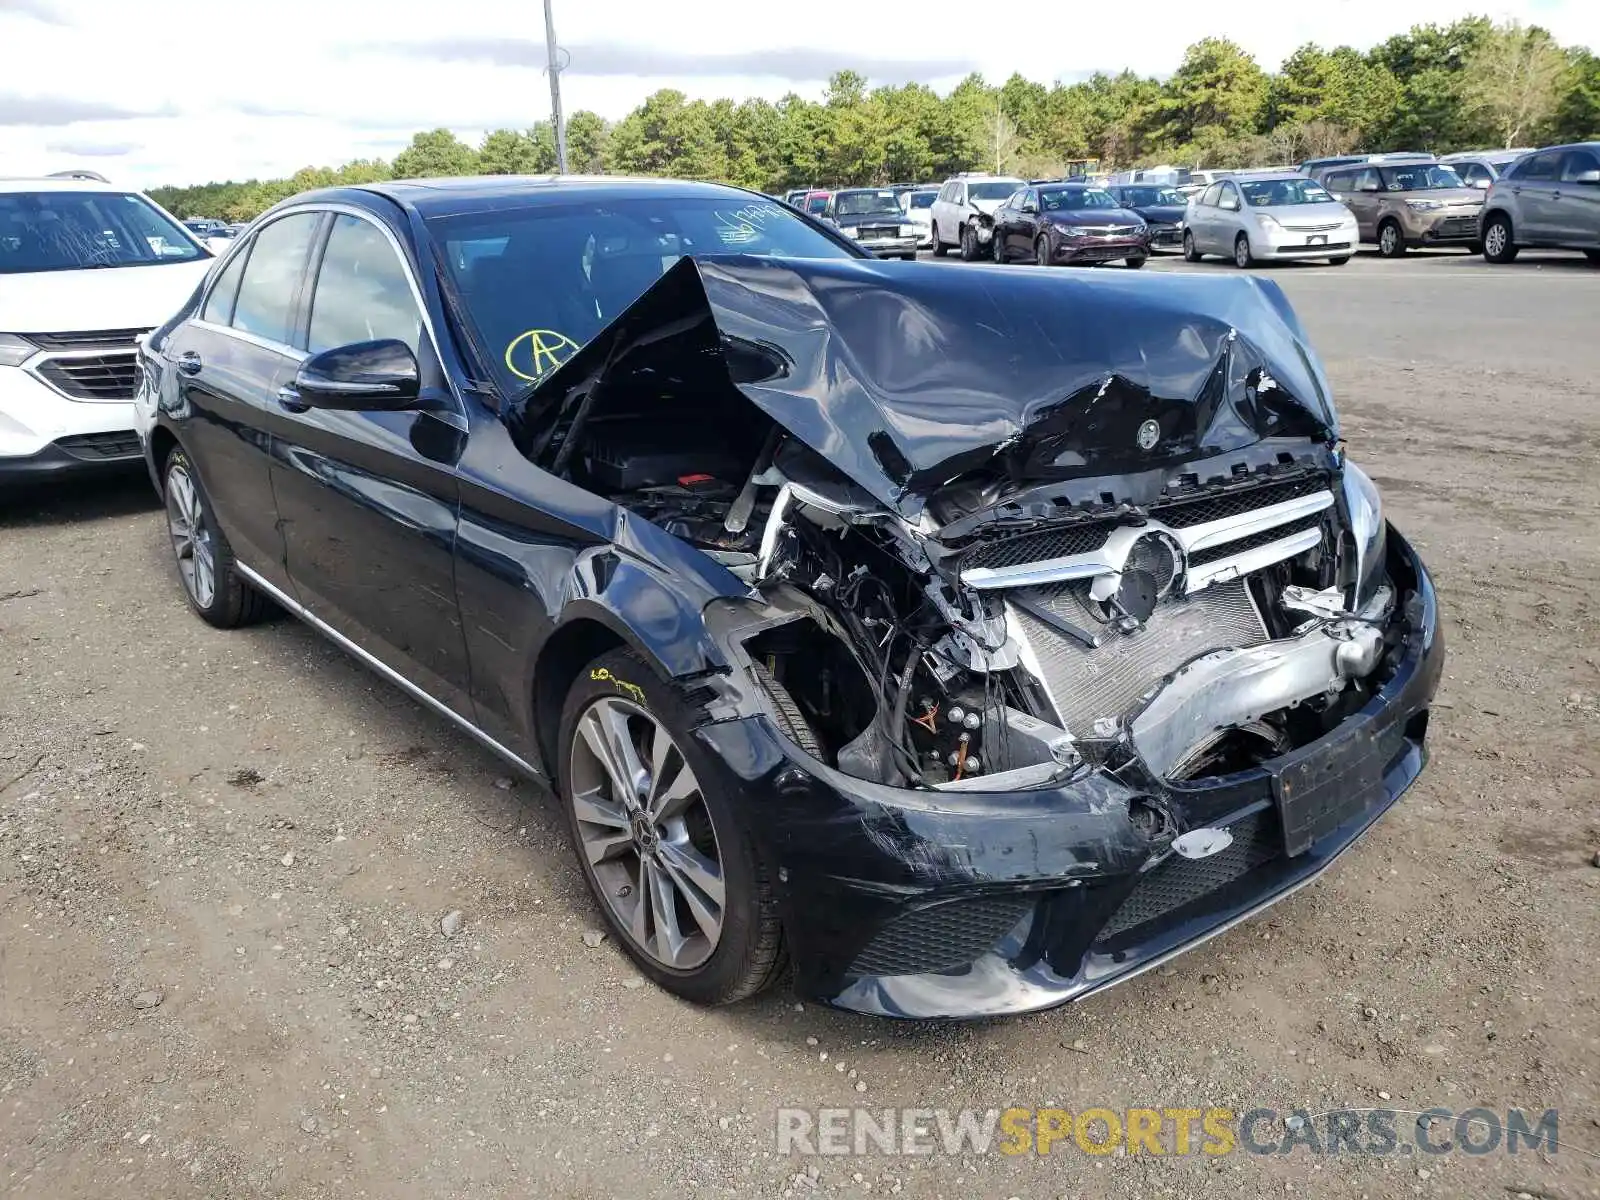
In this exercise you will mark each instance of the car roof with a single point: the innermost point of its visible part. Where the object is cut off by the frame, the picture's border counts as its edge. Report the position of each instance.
(1265, 176)
(458, 195)
(50, 183)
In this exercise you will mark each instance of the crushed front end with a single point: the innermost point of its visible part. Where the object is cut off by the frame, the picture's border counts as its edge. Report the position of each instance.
(1038, 670)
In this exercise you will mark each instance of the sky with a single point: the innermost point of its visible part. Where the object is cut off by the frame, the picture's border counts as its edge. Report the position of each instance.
(162, 91)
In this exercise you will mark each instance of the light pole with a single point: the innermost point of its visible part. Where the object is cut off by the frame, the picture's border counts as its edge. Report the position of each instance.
(555, 89)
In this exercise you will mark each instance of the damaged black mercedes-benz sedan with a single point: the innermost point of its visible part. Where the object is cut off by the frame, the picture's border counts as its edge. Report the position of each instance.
(970, 639)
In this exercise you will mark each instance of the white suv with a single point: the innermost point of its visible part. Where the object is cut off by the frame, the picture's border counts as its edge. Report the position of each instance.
(86, 268)
(963, 210)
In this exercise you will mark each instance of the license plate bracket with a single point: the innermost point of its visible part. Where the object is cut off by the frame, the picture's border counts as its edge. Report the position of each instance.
(1323, 786)
(1317, 239)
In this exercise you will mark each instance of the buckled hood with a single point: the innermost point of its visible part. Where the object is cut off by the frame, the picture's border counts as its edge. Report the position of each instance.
(906, 376)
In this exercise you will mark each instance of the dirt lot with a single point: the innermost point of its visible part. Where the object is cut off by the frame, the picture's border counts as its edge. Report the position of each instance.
(224, 858)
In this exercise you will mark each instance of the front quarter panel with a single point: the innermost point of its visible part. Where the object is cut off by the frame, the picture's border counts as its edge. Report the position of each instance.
(537, 557)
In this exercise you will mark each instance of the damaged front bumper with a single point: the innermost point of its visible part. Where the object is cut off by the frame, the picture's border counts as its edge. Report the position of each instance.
(963, 904)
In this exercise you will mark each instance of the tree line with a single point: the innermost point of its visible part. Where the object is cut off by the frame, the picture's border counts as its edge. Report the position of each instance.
(1470, 84)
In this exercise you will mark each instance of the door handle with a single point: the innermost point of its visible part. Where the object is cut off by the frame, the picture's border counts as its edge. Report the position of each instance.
(1516, 191)
(189, 363)
(289, 399)
(1555, 195)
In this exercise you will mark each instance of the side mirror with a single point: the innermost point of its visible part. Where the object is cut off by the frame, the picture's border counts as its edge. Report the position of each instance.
(1481, 183)
(1591, 178)
(1367, 187)
(1229, 205)
(1030, 207)
(379, 376)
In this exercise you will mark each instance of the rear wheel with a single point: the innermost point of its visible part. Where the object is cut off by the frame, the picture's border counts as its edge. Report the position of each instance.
(1242, 258)
(1391, 240)
(660, 838)
(1190, 254)
(211, 583)
(1498, 246)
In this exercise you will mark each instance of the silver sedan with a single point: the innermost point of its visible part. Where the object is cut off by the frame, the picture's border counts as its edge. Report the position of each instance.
(1259, 217)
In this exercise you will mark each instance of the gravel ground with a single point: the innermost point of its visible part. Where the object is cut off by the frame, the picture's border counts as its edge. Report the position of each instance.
(225, 858)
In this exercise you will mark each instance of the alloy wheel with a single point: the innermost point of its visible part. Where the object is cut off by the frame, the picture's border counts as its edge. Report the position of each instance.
(646, 833)
(1241, 251)
(1494, 239)
(997, 246)
(191, 537)
(1389, 240)
(1041, 251)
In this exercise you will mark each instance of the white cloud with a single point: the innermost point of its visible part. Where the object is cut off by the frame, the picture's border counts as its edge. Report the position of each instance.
(264, 91)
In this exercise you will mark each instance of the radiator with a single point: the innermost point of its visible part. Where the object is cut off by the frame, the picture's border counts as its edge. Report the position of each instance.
(1087, 683)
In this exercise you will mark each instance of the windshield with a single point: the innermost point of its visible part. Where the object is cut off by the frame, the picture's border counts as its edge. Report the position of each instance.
(73, 231)
(992, 189)
(1421, 178)
(538, 282)
(1151, 195)
(1275, 193)
(923, 199)
(860, 204)
(1073, 199)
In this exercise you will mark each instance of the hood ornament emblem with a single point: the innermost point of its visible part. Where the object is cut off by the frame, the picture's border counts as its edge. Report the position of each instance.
(1149, 435)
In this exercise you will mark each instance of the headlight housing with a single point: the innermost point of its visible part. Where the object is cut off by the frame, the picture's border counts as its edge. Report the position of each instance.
(1424, 205)
(910, 231)
(1367, 530)
(1268, 222)
(15, 350)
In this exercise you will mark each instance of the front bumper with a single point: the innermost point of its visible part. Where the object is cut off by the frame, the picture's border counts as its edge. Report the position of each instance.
(1447, 228)
(1072, 253)
(43, 432)
(81, 454)
(1166, 237)
(946, 904)
(891, 247)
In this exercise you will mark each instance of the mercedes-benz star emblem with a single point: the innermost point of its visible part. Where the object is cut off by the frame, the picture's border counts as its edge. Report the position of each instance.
(1149, 435)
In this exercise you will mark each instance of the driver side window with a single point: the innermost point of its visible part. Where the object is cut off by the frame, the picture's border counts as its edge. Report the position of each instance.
(1213, 195)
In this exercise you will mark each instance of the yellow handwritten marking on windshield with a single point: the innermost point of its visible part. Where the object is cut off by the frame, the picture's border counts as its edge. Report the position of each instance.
(601, 675)
(547, 350)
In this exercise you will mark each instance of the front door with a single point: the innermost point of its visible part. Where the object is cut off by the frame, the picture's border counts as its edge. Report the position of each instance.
(368, 500)
(1535, 185)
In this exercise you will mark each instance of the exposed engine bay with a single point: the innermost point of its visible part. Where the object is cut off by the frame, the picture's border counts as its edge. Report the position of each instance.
(1180, 623)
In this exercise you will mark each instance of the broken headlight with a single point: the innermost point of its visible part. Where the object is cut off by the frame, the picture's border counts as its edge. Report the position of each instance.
(1367, 529)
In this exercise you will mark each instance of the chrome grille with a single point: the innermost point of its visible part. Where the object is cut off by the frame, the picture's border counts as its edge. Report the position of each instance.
(85, 338)
(1105, 681)
(1197, 510)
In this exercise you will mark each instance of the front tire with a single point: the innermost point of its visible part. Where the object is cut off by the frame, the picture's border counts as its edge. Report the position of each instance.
(660, 838)
(1133, 264)
(969, 243)
(206, 566)
(1041, 250)
(997, 246)
(1391, 240)
(1190, 254)
(1242, 258)
(940, 249)
(1593, 256)
(1498, 246)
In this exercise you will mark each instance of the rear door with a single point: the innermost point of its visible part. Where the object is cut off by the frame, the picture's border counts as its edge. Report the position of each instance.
(1578, 199)
(1203, 221)
(230, 362)
(368, 500)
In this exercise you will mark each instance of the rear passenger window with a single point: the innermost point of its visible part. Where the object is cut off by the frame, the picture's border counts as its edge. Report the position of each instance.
(363, 292)
(272, 277)
(1539, 166)
(219, 304)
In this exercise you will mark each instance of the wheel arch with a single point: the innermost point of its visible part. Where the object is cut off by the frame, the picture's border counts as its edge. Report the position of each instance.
(162, 443)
